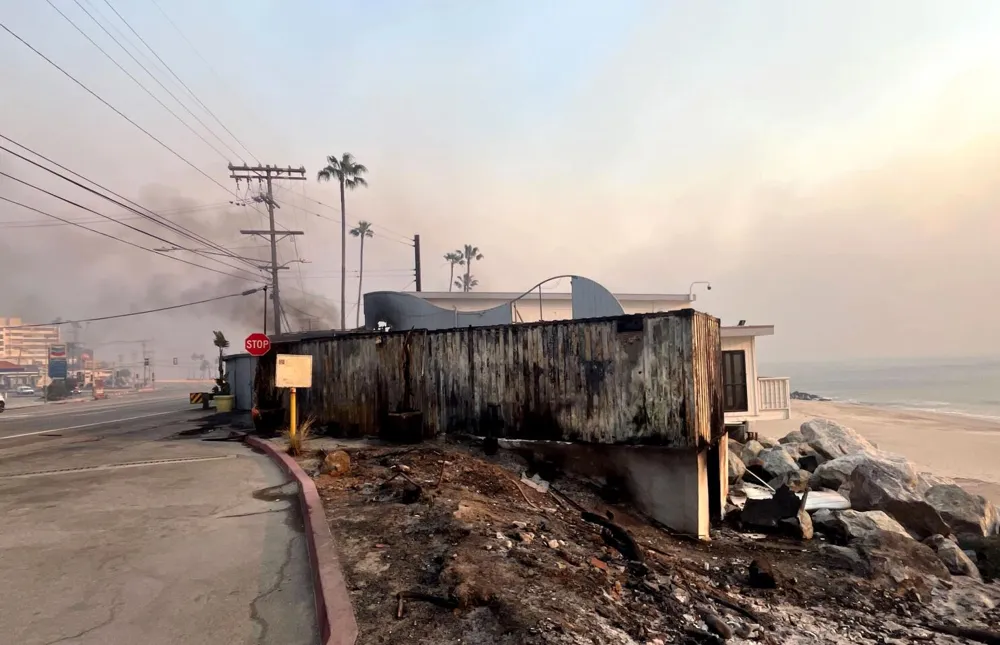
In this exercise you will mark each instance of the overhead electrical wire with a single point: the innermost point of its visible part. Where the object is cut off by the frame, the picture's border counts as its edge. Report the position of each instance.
(178, 78)
(117, 111)
(155, 218)
(142, 313)
(118, 239)
(137, 81)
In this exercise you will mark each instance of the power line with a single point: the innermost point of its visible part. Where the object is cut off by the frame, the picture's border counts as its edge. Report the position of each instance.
(402, 239)
(156, 218)
(137, 81)
(183, 84)
(141, 313)
(90, 210)
(118, 239)
(117, 111)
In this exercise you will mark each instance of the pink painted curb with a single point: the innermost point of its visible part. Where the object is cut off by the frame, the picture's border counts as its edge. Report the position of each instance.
(333, 604)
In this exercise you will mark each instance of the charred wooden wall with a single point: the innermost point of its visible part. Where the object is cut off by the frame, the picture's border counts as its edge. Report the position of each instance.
(642, 379)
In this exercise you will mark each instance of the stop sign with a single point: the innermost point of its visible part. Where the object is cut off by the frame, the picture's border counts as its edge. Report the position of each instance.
(257, 344)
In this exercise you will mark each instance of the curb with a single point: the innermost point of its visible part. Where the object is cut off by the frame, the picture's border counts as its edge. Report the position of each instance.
(333, 604)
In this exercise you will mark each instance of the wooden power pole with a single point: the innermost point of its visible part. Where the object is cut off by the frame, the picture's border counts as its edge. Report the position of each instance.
(265, 174)
(416, 262)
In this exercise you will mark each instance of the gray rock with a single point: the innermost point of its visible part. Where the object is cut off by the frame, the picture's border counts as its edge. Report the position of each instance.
(952, 556)
(900, 558)
(805, 455)
(736, 468)
(844, 527)
(773, 462)
(750, 450)
(965, 513)
(833, 474)
(842, 557)
(928, 480)
(798, 481)
(768, 442)
(987, 554)
(735, 447)
(792, 437)
(878, 485)
(832, 440)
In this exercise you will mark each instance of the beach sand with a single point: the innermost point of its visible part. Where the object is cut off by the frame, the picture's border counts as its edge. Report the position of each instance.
(966, 449)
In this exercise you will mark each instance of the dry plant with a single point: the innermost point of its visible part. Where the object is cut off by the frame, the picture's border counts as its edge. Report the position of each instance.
(297, 443)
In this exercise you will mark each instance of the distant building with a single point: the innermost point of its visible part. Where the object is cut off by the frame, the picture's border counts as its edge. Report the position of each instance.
(26, 345)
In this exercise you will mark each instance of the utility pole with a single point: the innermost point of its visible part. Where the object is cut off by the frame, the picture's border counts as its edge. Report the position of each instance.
(266, 174)
(416, 261)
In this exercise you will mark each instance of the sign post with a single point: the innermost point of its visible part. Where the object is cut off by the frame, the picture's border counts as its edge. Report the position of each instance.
(257, 344)
(293, 371)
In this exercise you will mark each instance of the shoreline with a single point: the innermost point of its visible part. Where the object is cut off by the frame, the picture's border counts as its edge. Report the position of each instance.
(965, 448)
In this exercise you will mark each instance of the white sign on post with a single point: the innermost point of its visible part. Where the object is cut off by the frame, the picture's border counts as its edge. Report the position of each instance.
(293, 370)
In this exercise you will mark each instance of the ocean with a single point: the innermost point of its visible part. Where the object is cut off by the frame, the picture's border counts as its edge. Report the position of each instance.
(956, 386)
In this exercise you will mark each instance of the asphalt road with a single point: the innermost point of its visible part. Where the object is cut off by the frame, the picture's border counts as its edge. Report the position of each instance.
(121, 525)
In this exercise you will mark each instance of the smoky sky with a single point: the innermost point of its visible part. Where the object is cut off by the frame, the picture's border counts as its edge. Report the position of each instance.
(833, 176)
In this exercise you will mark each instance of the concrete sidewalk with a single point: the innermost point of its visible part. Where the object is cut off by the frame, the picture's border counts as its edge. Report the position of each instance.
(206, 550)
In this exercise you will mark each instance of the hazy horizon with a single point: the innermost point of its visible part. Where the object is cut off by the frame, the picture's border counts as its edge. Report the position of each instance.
(830, 167)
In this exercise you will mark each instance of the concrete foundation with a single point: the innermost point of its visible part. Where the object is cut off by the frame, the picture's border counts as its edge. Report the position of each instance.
(671, 486)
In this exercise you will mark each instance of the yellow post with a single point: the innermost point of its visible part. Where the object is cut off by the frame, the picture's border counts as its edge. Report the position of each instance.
(291, 426)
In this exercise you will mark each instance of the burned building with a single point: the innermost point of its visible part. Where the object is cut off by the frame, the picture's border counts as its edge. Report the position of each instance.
(635, 398)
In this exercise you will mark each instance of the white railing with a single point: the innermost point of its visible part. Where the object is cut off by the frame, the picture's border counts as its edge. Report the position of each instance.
(773, 393)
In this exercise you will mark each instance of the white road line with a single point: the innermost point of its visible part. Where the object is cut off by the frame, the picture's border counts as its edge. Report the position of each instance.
(88, 425)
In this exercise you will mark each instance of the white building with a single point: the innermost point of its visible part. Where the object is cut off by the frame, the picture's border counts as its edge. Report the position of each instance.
(749, 396)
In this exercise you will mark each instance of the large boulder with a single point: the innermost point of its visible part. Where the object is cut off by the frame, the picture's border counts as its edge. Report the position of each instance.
(804, 455)
(908, 564)
(965, 513)
(880, 485)
(768, 442)
(832, 440)
(797, 480)
(844, 527)
(792, 437)
(736, 468)
(952, 557)
(833, 474)
(772, 463)
(750, 450)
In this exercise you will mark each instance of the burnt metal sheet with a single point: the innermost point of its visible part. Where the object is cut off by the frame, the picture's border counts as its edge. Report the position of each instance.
(641, 379)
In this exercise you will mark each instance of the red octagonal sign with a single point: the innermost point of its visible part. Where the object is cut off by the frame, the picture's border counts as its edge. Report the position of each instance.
(257, 344)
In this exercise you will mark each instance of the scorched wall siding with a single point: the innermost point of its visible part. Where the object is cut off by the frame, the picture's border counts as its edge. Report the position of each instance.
(638, 379)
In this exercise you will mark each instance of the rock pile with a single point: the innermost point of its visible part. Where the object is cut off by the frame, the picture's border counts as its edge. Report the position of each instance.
(901, 521)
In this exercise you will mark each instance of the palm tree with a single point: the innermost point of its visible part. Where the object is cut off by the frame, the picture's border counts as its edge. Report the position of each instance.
(348, 173)
(470, 253)
(466, 282)
(205, 366)
(453, 258)
(362, 230)
(220, 342)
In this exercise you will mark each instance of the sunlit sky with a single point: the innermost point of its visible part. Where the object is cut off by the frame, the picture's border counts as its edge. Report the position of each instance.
(831, 167)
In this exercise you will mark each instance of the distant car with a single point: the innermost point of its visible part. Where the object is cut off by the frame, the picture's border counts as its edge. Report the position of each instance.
(24, 390)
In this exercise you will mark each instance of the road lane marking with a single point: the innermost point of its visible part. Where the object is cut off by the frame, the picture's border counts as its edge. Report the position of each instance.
(128, 464)
(46, 413)
(89, 425)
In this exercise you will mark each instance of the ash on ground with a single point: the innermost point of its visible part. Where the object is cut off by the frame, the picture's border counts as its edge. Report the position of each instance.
(443, 544)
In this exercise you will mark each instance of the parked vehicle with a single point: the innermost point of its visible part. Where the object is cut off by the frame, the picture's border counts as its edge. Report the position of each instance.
(25, 390)
(3, 402)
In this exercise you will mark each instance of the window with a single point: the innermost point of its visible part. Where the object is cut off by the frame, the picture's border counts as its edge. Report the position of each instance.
(734, 381)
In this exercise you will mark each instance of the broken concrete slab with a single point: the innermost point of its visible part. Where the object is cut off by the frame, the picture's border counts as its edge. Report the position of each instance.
(784, 512)
(878, 485)
(831, 439)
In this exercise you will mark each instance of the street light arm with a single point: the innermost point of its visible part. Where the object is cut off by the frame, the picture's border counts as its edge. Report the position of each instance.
(707, 284)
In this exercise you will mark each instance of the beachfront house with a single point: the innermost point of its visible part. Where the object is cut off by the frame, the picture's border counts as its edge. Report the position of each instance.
(749, 396)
